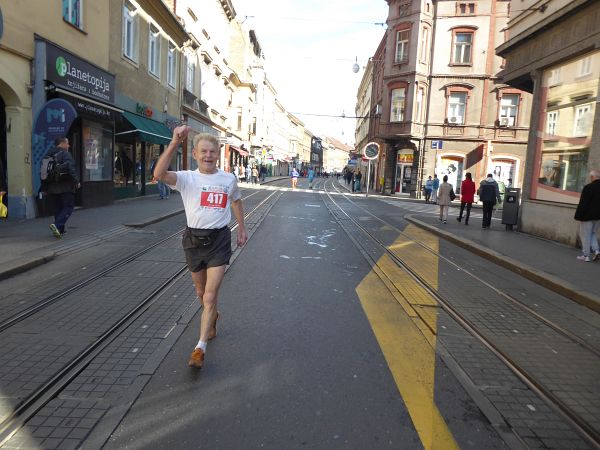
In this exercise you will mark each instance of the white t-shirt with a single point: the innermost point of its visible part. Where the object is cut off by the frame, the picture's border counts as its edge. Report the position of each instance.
(207, 197)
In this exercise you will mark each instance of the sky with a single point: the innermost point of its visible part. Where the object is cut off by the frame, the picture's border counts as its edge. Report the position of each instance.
(310, 47)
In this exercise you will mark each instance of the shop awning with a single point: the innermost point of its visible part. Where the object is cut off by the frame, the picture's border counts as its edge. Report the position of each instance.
(147, 130)
(239, 150)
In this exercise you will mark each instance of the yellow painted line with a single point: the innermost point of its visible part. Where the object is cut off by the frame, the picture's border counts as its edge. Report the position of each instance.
(411, 359)
(403, 316)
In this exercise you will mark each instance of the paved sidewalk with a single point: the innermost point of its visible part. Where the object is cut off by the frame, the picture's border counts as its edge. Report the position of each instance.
(27, 243)
(548, 263)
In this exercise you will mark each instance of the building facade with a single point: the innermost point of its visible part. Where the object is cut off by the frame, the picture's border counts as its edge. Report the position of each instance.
(553, 51)
(437, 104)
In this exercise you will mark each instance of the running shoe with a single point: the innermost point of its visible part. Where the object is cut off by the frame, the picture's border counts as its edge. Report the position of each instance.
(596, 256)
(584, 258)
(55, 231)
(196, 358)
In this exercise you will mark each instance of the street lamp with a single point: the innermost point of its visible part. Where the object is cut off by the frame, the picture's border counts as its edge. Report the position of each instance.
(356, 67)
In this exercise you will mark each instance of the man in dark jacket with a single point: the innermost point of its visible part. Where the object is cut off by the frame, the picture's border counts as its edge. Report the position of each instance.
(62, 192)
(588, 214)
(488, 194)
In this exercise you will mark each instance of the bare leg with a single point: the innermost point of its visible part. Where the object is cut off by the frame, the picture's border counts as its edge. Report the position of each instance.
(209, 281)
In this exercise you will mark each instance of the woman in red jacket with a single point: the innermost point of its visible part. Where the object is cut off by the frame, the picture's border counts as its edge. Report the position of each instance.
(467, 195)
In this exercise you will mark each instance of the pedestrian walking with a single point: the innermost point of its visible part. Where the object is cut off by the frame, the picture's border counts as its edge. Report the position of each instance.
(263, 173)
(311, 177)
(209, 195)
(588, 215)
(434, 188)
(3, 187)
(248, 173)
(428, 189)
(357, 180)
(467, 197)
(254, 175)
(61, 192)
(488, 194)
(444, 200)
(295, 176)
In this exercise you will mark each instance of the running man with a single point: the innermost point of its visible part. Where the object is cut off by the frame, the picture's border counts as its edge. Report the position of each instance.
(295, 176)
(207, 194)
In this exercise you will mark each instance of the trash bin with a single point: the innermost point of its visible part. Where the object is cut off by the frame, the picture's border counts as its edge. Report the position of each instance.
(510, 207)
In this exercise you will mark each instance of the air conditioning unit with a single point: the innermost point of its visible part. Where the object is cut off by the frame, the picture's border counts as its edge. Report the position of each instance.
(504, 121)
(378, 109)
(455, 119)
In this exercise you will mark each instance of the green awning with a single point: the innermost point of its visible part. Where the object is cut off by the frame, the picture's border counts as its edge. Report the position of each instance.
(147, 130)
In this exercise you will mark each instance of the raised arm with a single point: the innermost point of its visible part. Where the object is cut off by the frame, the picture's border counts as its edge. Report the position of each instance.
(161, 171)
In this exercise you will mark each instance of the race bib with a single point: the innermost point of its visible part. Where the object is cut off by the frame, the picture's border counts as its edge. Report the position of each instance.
(213, 200)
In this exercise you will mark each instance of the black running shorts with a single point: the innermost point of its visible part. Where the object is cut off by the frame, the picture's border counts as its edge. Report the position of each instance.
(206, 248)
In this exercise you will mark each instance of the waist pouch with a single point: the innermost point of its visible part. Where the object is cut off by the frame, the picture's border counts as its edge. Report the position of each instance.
(200, 238)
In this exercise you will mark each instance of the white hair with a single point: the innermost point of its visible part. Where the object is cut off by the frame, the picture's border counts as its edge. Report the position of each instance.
(595, 173)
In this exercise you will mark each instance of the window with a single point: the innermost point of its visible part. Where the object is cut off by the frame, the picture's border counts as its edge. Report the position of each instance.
(154, 51)
(584, 67)
(554, 77)
(566, 121)
(239, 119)
(190, 71)
(254, 126)
(465, 8)
(71, 10)
(419, 113)
(397, 105)
(171, 65)
(509, 107)
(457, 103)
(552, 123)
(130, 31)
(402, 46)
(582, 125)
(424, 44)
(463, 47)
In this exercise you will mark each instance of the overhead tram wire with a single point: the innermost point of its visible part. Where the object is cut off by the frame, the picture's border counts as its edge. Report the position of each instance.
(304, 19)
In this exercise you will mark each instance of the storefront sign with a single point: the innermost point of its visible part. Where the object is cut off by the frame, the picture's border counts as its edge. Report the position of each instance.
(74, 74)
(90, 109)
(53, 121)
(143, 110)
(405, 157)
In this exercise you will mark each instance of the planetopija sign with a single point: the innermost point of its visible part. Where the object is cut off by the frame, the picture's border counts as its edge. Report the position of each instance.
(77, 75)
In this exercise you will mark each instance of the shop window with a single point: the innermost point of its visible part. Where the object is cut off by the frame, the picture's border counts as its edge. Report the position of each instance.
(71, 10)
(154, 51)
(457, 106)
(97, 151)
(130, 32)
(567, 116)
(463, 47)
(398, 103)
(509, 108)
(402, 38)
(171, 66)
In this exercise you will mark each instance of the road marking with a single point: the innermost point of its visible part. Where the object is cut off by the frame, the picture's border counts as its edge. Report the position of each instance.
(403, 316)
(312, 206)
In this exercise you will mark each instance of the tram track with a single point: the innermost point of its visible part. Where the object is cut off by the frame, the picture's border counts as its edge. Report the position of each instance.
(57, 381)
(54, 297)
(579, 423)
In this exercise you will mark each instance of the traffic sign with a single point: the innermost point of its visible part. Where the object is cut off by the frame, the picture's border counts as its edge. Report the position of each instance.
(371, 150)
(436, 145)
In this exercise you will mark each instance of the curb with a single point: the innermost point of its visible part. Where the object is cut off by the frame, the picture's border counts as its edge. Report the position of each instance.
(544, 279)
(152, 220)
(23, 264)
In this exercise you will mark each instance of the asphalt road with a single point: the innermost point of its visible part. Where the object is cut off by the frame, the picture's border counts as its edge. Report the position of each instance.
(297, 363)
